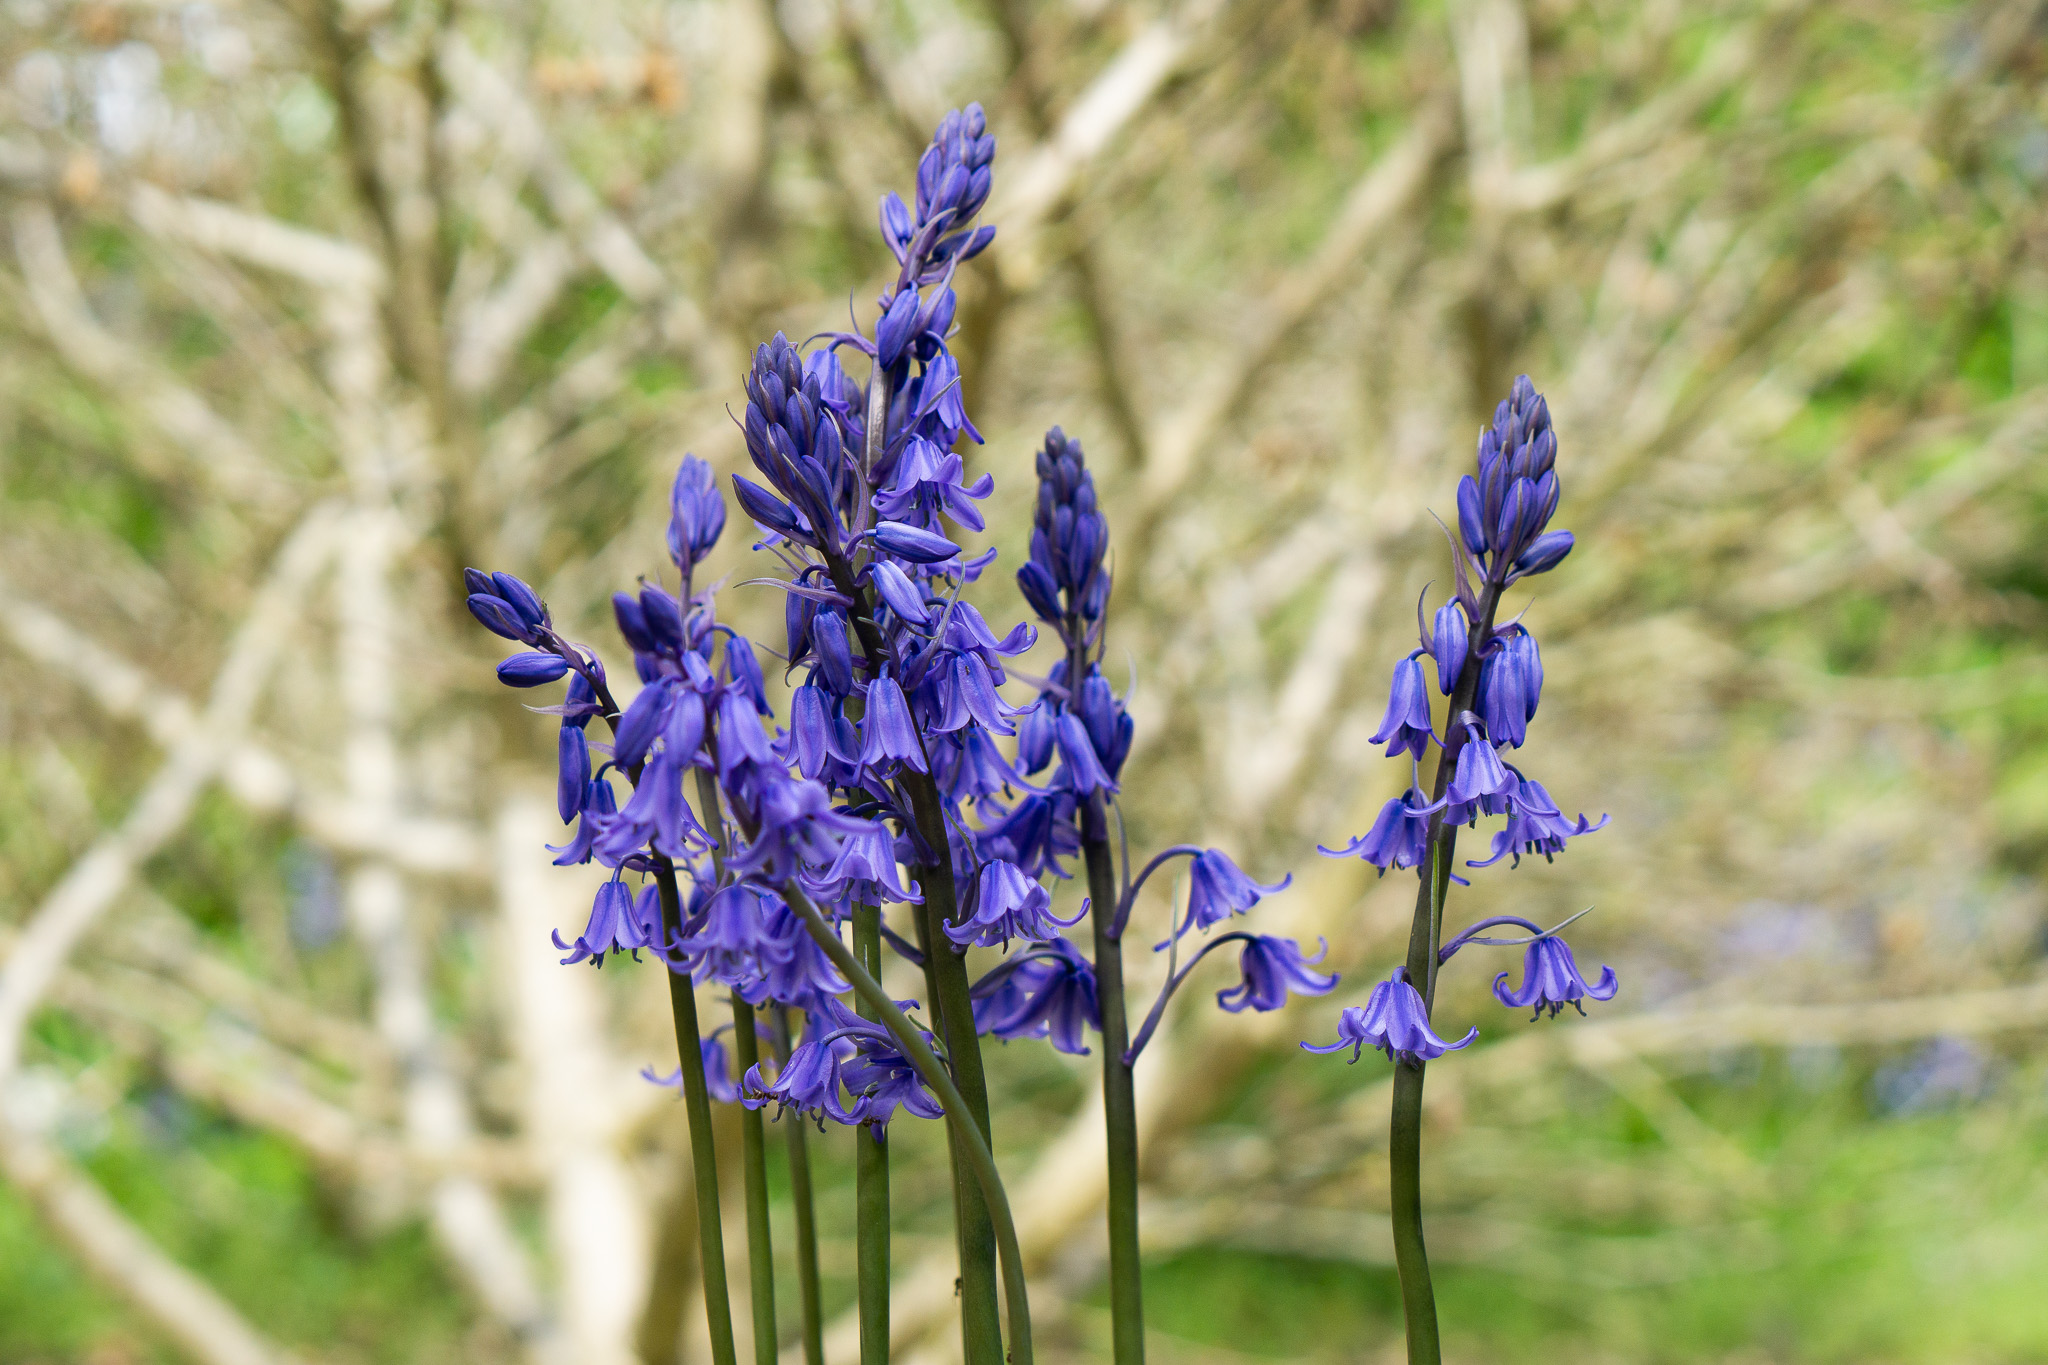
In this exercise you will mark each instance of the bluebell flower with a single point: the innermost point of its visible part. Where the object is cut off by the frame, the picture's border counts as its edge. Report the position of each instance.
(1006, 904)
(656, 815)
(1394, 1021)
(618, 924)
(794, 968)
(1398, 838)
(1450, 638)
(696, 514)
(1048, 991)
(572, 769)
(884, 1079)
(723, 943)
(1510, 685)
(970, 767)
(1536, 827)
(809, 1082)
(927, 482)
(914, 544)
(1109, 725)
(1406, 728)
(531, 669)
(1551, 980)
(1035, 726)
(1480, 772)
(864, 869)
(1504, 510)
(1272, 967)
(898, 593)
(719, 1081)
(953, 182)
(796, 828)
(1065, 579)
(1081, 768)
(1035, 835)
(506, 606)
(888, 735)
(1217, 889)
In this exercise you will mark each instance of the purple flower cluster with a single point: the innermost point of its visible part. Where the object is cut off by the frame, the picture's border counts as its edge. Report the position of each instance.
(1491, 678)
(890, 782)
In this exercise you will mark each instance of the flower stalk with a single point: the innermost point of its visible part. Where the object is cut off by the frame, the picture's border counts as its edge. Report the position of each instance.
(754, 1170)
(682, 999)
(1491, 678)
(980, 1161)
(871, 1174)
(803, 1197)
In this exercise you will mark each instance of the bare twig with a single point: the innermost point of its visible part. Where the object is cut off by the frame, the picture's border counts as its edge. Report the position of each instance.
(91, 885)
(215, 447)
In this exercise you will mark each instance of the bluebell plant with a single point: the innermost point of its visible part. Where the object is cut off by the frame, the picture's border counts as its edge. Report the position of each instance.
(1490, 678)
(766, 856)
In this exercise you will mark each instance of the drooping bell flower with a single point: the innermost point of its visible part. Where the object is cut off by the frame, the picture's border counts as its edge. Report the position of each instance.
(1394, 1021)
(1551, 980)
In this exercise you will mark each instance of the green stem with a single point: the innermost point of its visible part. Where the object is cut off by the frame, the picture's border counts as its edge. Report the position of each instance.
(1404, 1146)
(697, 1105)
(754, 1167)
(945, 970)
(1119, 1102)
(806, 1211)
(871, 1175)
(980, 1329)
(959, 1118)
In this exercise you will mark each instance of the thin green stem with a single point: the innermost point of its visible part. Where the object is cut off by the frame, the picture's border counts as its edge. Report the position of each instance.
(945, 971)
(952, 1009)
(871, 1175)
(802, 1196)
(1119, 1102)
(980, 1329)
(754, 1167)
(959, 1118)
(1404, 1146)
(697, 1106)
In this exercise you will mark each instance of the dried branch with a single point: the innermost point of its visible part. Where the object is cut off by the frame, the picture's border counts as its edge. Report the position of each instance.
(85, 892)
(251, 773)
(214, 447)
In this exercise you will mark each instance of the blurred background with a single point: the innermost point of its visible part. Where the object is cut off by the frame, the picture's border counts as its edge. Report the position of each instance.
(305, 304)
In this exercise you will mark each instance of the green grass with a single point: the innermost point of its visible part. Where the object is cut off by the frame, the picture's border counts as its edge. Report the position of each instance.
(244, 1211)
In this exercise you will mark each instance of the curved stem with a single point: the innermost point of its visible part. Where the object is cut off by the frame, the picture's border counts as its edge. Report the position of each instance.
(1173, 984)
(1469, 934)
(934, 1074)
(1130, 894)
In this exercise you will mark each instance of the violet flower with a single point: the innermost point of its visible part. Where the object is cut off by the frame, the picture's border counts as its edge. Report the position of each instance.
(1551, 980)
(1394, 1020)
(1273, 967)
(1217, 889)
(1006, 904)
(1046, 992)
